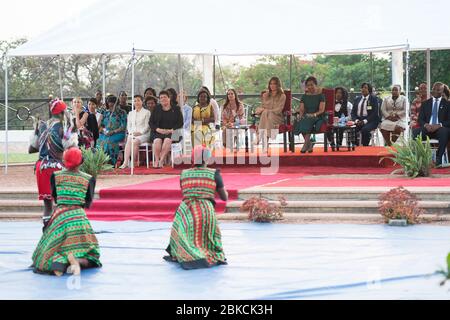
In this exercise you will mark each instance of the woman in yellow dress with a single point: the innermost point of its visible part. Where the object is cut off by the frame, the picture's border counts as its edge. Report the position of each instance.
(202, 118)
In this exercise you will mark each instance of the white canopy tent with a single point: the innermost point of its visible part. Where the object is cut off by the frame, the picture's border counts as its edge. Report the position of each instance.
(236, 27)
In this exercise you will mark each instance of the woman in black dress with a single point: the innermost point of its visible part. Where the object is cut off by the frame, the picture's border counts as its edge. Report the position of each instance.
(163, 122)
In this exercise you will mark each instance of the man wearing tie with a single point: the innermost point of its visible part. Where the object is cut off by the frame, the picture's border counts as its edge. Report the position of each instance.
(366, 113)
(434, 120)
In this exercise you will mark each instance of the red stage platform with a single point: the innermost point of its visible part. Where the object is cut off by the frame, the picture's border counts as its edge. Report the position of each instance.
(158, 200)
(362, 160)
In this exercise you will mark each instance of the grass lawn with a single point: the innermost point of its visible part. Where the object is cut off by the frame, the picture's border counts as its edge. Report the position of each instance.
(19, 157)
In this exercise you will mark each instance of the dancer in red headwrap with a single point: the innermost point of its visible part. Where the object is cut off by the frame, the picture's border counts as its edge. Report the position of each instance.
(69, 243)
(50, 137)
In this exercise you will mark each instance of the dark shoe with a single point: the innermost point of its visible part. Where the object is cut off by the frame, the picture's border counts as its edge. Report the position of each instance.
(333, 147)
(169, 259)
(438, 165)
(305, 148)
(311, 148)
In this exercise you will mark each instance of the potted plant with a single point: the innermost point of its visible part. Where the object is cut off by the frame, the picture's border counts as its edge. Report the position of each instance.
(262, 210)
(413, 155)
(399, 207)
(95, 161)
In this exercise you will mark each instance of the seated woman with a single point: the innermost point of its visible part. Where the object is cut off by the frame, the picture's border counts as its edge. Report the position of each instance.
(85, 137)
(68, 243)
(163, 122)
(233, 110)
(271, 111)
(203, 120)
(112, 129)
(93, 119)
(138, 130)
(150, 103)
(393, 111)
(85, 122)
(311, 115)
(343, 107)
(195, 240)
(421, 97)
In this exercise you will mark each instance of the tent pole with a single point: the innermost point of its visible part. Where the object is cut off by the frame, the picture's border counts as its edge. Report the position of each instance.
(133, 55)
(428, 73)
(104, 78)
(408, 105)
(6, 112)
(180, 82)
(214, 76)
(60, 79)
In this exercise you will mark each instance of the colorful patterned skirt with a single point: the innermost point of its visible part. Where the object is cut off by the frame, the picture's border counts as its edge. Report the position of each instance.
(195, 240)
(110, 144)
(68, 231)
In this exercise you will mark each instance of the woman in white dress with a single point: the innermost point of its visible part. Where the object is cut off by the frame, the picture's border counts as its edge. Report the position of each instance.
(138, 129)
(393, 111)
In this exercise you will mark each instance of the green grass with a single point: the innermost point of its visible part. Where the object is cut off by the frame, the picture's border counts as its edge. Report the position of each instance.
(19, 158)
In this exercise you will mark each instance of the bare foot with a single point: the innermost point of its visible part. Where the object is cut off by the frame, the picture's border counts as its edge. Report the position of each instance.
(74, 267)
(58, 273)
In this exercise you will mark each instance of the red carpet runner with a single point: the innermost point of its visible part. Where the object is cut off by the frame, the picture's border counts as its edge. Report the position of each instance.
(158, 200)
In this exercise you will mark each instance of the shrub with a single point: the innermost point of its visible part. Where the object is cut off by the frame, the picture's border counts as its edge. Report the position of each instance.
(95, 161)
(414, 156)
(261, 210)
(399, 203)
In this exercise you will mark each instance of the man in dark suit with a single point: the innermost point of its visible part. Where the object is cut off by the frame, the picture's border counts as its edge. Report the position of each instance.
(434, 120)
(366, 113)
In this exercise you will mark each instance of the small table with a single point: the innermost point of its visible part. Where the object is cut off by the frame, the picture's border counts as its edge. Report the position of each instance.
(350, 136)
(241, 127)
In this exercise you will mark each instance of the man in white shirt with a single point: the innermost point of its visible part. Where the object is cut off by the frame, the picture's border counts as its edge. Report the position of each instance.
(366, 113)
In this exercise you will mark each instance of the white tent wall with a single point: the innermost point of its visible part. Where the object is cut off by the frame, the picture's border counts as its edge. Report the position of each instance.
(255, 27)
(289, 27)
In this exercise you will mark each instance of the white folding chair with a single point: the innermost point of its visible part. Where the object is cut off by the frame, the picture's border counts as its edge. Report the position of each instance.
(144, 147)
(434, 147)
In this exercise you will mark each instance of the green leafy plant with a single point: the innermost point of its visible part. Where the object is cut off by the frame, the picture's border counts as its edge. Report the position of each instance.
(446, 273)
(399, 203)
(413, 155)
(95, 161)
(261, 210)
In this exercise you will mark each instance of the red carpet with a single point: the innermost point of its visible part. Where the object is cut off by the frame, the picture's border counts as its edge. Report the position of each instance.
(394, 182)
(158, 200)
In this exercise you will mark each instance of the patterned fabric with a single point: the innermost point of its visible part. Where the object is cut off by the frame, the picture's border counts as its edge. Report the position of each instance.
(71, 187)
(195, 240)
(116, 120)
(202, 133)
(229, 114)
(415, 110)
(43, 181)
(51, 147)
(69, 230)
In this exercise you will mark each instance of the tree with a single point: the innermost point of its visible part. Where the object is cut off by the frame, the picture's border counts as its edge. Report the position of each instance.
(440, 66)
